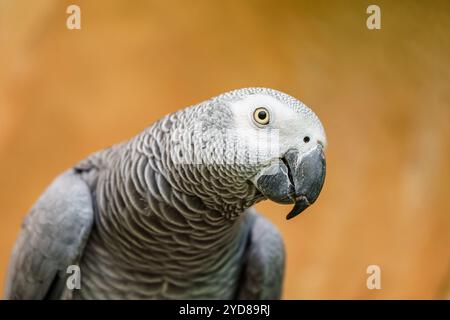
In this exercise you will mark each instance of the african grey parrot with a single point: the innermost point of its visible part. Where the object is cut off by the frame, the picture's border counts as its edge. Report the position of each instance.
(167, 214)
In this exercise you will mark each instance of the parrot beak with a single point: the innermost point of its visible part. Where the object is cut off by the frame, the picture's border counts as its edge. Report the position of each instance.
(295, 178)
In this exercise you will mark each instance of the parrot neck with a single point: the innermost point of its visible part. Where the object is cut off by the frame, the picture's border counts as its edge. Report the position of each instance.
(142, 213)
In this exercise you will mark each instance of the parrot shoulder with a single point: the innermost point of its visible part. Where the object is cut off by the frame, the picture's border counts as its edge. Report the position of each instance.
(263, 272)
(52, 238)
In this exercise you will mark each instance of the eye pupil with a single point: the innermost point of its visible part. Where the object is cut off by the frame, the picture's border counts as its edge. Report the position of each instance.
(262, 115)
(306, 139)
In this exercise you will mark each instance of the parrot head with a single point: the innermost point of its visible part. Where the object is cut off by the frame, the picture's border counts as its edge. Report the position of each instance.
(269, 141)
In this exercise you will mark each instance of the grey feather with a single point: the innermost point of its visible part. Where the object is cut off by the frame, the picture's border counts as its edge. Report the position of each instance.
(263, 272)
(53, 236)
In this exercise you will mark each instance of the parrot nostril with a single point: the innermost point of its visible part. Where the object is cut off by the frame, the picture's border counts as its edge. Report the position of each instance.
(306, 139)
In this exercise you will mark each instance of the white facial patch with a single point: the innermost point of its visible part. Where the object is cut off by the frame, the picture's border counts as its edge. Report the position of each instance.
(290, 125)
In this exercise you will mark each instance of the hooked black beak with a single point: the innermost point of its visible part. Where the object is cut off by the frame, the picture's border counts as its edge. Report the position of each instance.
(294, 179)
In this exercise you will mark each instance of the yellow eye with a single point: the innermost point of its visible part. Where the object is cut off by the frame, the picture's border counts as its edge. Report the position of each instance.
(261, 116)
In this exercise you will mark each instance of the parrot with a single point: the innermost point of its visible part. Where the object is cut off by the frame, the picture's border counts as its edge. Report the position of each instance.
(168, 214)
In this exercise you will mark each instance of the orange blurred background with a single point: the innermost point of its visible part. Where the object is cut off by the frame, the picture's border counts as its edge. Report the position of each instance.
(383, 97)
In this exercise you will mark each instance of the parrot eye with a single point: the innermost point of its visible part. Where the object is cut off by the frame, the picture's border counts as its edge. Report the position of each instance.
(261, 116)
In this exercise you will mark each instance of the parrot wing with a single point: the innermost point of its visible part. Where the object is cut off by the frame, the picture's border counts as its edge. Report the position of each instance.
(264, 266)
(52, 237)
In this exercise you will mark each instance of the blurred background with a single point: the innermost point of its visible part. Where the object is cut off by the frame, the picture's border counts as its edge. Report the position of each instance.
(382, 95)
